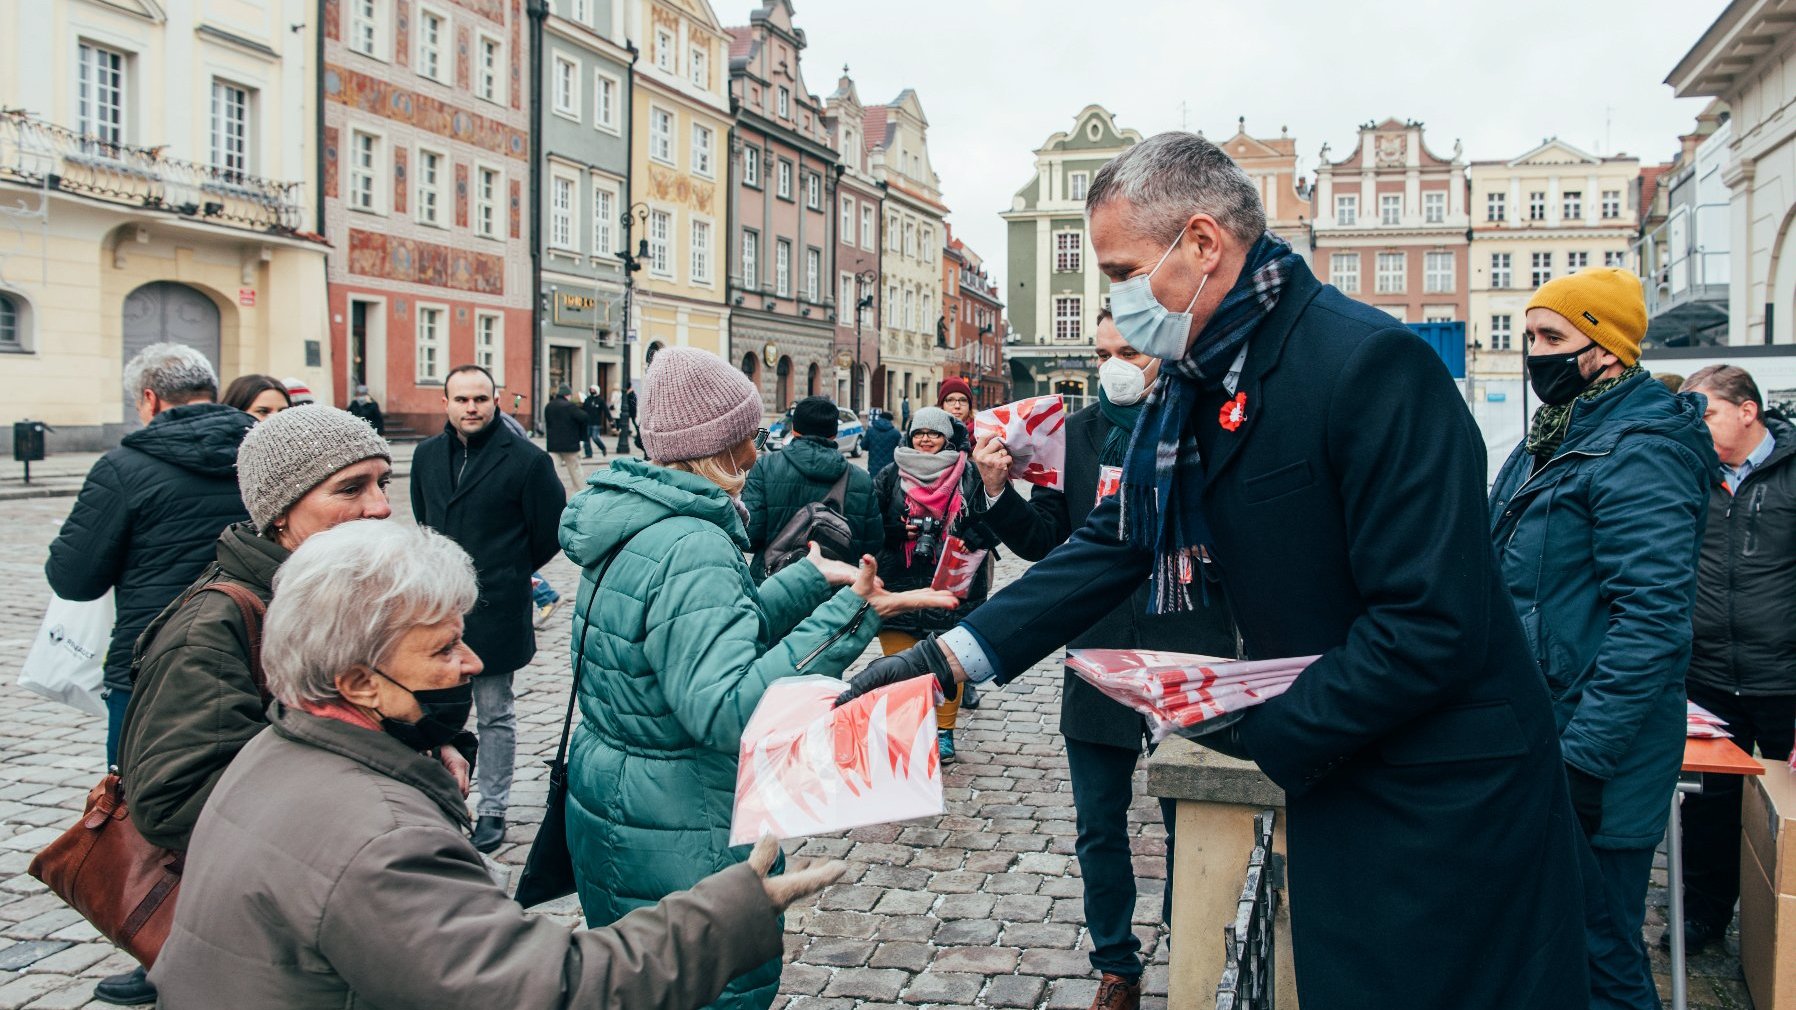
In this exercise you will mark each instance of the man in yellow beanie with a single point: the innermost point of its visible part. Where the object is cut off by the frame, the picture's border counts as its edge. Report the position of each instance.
(1597, 518)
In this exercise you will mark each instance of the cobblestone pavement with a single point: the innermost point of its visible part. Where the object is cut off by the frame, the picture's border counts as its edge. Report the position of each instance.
(978, 908)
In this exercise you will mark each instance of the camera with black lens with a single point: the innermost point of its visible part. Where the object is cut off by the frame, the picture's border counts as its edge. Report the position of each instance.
(929, 538)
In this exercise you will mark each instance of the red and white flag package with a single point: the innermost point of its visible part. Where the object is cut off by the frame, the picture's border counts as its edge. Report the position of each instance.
(809, 768)
(1179, 692)
(1703, 724)
(1034, 430)
(959, 564)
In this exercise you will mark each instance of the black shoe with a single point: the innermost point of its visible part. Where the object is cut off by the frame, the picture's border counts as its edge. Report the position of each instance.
(132, 988)
(969, 696)
(489, 833)
(1697, 935)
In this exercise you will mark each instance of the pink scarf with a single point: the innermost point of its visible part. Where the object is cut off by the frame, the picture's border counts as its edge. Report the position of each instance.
(936, 498)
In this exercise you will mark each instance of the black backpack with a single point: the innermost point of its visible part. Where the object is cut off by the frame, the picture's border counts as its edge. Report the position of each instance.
(821, 522)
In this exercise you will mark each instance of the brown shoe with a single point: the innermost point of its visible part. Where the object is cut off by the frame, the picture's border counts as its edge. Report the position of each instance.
(1118, 992)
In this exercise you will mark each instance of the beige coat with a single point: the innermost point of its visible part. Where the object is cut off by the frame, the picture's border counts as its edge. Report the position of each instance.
(330, 870)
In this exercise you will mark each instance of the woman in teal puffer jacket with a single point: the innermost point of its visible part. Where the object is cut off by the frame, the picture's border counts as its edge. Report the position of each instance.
(682, 644)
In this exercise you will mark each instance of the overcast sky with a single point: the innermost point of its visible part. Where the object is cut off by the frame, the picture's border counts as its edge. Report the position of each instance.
(996, 77)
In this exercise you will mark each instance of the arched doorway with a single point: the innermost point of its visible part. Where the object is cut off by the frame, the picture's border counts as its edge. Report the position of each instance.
(784, 397)
(810, 380)
(164, 311)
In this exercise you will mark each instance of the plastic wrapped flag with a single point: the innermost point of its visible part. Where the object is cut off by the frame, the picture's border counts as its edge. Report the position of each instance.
(809, 768)
(1703, 724)
(959, 564)
(1034, 430)
(1182, 693)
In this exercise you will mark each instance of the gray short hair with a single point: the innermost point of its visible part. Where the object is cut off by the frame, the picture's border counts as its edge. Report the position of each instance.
(347, 595)
(1729, 382)
(174, 372)
(1169, 177)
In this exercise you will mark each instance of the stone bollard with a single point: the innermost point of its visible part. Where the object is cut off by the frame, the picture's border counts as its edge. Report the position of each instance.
(1218, 797)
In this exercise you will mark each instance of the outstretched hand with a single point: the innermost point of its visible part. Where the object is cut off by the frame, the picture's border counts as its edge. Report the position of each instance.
(836, 573)
(801, 879)
(924, 659)
(867, 586)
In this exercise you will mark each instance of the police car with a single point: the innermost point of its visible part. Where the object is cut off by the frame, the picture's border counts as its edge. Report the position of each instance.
(851, 433)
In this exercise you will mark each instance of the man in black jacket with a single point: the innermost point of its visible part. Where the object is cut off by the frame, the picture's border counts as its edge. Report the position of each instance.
(598, 417)
(1322, 455)
(564, 425)
(1743, 664)
(1103, 737)
(491, 491)
(782, 483)
(147, 520)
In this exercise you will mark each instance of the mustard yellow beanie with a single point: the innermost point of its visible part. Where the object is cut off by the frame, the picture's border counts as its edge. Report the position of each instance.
(1605, 304)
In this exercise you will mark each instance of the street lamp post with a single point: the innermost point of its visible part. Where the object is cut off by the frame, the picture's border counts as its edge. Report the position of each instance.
(863, 280)
(632, 259)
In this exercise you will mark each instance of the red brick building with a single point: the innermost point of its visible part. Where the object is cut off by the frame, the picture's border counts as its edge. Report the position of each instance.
(426, 173)
(973, 321)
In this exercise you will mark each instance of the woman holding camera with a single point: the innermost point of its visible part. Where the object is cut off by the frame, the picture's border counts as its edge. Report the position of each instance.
(928, 493)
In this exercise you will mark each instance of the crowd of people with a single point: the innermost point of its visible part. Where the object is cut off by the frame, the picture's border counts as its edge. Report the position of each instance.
(1477, 767)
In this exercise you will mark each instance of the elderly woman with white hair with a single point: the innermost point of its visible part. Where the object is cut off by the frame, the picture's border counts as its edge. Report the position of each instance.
(332, 867)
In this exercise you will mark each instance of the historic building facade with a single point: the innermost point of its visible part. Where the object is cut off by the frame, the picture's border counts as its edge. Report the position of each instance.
(426, 170)
(1391, 223)
(1056, 288)
(860, 218)
(162, 186)
(679, 170)
(782, 289)
(974, 323)
(582, 188)
(1551, 211)
(1271, 162)
(911, 347)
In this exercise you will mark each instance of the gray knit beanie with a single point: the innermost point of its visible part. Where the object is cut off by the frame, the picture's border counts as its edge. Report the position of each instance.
(296, 450)
(929, 419)
(694, 404)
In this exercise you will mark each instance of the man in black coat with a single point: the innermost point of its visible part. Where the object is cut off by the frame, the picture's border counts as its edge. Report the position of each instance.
(598, 418)
(1743, 666)
(486, 487)
(1339, 484)
(147, 520)
(564, 426)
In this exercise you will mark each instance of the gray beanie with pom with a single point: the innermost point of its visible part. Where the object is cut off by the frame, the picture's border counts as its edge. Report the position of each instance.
(296, 450)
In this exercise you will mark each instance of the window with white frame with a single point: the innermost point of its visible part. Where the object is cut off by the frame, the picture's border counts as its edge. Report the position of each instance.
(813, 274)
(1576, 261)
(783, 102)
(782, 268)
(701, 151)
(432, 342)
(660, 241)
(1437, 272)
(1496, 206)
(1615, 258)
(489, 344)
(366, 32)
(604, 101)
(1537, 205)
(581, 11)
(11, 329)
(1076, 182)
(1502, 332)
(1390, 273)
(845, 297)
(566, 87)
(1502, 272)
(1346, 209)
(433, 177)
(562, 208)
(751, 166)
(661, 135)
(367, 173)
(1390, 208)
(100, 96)
(433, 45)
(845, 226)
(701, 252)
(489, 183)
(910, 309)
(1541, 269)
(230, 128)
(929, 245)
(1611, 204)
(664, 50)
(1434, 208)
(894, 234)
(1343, 271)
(1572, 205)
(701, 67)
(813, 191)
(926, 311)
(910, 240)
(868, 238)
(604, 219)
(1069, 252)
(489, 80)
(889, 310)
(751, 259)
(784, 188)
(1069, 317)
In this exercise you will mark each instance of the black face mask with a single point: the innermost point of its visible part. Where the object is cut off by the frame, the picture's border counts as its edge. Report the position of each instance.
(1556, 378)
(445, 715)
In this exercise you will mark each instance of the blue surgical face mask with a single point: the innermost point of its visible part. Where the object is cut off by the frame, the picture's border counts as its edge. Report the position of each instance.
(1144, 323)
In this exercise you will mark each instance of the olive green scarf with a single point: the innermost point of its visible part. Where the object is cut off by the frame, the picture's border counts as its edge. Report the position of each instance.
(1552, 421)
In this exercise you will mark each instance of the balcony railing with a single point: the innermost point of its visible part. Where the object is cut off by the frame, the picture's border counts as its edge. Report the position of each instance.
(44, 154)
(1248, 942)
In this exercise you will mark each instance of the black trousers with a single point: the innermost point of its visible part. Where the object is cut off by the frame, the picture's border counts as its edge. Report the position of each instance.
(1712, 817)
(1103, 790)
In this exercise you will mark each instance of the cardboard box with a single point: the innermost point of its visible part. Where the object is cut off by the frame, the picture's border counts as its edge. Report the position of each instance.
(1768, 887)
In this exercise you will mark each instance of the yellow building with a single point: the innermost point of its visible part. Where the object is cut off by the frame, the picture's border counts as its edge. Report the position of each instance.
(679, 165)
(157, 182)
(1552, 211)
(912, 344)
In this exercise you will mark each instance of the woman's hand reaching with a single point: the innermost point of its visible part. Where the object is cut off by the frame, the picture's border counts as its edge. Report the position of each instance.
(868, 587)
(836, 573)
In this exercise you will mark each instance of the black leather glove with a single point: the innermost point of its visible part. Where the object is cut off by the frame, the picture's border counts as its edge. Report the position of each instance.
(921, 660)
(1586, 798)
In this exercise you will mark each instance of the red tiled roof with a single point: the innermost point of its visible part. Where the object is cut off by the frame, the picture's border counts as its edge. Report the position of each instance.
(1649, 185)
(742, 40)
(874, 125)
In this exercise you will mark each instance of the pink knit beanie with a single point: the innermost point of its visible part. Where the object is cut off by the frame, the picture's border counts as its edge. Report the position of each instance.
(694, 404)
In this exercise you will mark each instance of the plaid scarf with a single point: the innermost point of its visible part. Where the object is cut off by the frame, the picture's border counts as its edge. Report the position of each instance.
(1163, 476)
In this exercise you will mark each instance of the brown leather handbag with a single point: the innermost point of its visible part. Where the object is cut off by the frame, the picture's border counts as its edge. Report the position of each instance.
(104, 868)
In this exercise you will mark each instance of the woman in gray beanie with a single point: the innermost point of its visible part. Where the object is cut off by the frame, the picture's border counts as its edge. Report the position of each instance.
(676, 644)
(200, 694)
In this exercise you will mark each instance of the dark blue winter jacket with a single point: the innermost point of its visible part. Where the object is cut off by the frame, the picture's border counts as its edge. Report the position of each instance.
(882, 440)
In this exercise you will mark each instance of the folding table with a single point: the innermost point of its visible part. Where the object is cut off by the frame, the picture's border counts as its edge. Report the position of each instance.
(1718, 756)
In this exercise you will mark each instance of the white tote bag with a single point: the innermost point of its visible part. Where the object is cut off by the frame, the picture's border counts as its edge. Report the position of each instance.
(67, 656)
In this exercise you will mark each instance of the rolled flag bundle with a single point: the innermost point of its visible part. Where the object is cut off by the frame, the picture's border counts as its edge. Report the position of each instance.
(959, 564)
(1182, 693)
(1034, 430)
(1702, 724)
